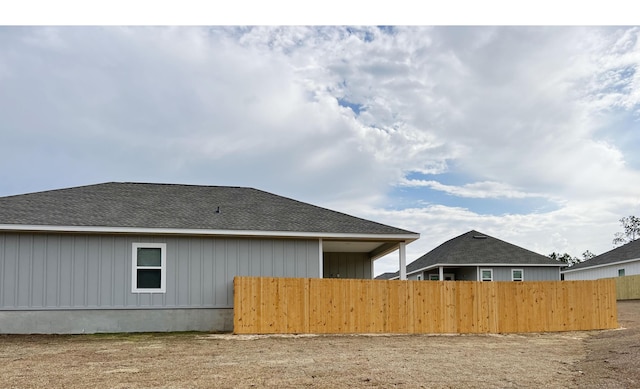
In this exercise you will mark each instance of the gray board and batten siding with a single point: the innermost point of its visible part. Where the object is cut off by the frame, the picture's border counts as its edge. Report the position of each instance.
(500, 273)
(126, 257)
(51, 282)
(347, 265)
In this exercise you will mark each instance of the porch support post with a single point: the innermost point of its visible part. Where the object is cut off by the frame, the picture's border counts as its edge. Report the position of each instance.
(440, 273)
(320, 259)
(403, 260)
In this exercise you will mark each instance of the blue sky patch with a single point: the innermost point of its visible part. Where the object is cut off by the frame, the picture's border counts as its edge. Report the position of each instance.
(356, 108)
(409, 197)
(365, 35)
(623, 132)
(387, 29)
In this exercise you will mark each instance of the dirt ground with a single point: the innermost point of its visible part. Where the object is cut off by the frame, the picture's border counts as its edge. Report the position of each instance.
(599, 359)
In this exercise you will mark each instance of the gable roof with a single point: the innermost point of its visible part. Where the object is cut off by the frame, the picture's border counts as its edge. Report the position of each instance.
(626, 252)
(475, 248)
(130, 206)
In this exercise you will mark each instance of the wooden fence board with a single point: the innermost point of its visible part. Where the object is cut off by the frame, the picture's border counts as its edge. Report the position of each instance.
(298, 305)
(628, 287)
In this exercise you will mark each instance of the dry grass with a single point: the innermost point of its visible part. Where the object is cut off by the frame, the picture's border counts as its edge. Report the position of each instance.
(199, 360)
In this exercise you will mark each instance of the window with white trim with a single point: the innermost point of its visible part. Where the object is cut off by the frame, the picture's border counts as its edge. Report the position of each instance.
(434, 277)
(486, 274)
(517, 275)
(149, 266)
(620, 272)
(419, 277)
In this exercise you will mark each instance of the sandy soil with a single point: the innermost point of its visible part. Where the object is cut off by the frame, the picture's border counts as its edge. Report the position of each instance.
(200, 360)
(613, 357)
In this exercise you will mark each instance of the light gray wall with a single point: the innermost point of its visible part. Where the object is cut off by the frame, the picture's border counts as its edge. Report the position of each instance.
(347, 265)
(530, 273)
(503, 273)
(65, 271)
(630, 268)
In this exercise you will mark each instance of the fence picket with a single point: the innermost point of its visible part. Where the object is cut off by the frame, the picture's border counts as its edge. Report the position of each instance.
(265, 305)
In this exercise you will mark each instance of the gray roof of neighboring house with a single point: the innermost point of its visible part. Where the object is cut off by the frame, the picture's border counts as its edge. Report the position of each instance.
(626, 252)
(386, 276)
(140, 205)
(475, 247)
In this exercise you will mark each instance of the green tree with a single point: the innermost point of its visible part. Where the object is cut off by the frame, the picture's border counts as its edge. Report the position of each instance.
(566, 258)
(631, 226)
(569, 260)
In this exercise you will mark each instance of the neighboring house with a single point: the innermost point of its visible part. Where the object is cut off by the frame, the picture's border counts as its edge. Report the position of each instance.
(621, 261)
(475, 256)
(387, 276)
(124, 257)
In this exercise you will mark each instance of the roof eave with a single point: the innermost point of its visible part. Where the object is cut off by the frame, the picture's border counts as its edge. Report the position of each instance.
(569, 270)
(483, 264)
(400, 237)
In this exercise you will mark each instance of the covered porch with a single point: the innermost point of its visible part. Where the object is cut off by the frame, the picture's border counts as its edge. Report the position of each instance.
(450, 273)
(353, 259)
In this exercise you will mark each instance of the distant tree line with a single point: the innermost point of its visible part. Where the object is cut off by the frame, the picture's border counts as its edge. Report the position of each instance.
(631, 232)
(569, 260)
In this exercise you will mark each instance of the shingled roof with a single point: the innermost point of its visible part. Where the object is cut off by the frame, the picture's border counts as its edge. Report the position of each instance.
(626, 252)
(474, 248)
(170, 206)
(387, 276)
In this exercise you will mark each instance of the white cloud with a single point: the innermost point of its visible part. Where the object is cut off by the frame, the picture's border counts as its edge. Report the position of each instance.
(485, 189)
(521, 112)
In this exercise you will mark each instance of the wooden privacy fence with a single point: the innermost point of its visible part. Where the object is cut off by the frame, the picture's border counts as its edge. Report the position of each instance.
(628, 287)
(265, 305)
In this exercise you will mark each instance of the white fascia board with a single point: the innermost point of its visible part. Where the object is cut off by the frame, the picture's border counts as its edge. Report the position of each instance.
(483, 265)
(195, 231)
(569, 270)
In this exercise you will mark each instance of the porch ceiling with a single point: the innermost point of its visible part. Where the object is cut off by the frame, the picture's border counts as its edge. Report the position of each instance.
(350, 247)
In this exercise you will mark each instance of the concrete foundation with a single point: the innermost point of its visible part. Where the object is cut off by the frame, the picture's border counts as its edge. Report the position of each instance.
(115, 320)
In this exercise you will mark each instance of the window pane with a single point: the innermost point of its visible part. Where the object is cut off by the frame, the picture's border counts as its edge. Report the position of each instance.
(149, 256)
(149, 279)
(620, 272)
(486, 275)
(517, 274)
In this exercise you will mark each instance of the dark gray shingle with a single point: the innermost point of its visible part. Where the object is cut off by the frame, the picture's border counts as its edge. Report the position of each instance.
(387, 276)
(179, 207)
(475, 247)
(628, 251)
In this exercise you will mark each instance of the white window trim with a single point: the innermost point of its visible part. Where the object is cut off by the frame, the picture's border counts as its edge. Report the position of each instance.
(162, 267)
(490, 272)
(521, 272)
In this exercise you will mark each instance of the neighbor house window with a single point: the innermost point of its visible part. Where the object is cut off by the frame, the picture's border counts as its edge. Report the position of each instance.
(419, 277)
(486, 274)
(620, 272)
(434, 277)
(517, 275)
(149, 263)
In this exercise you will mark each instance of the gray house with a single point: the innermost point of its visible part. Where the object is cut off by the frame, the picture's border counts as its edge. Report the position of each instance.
(475, 256)
(121, 257)
(621, 261)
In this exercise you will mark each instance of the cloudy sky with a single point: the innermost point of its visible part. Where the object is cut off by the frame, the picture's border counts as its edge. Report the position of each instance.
(528, 134)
